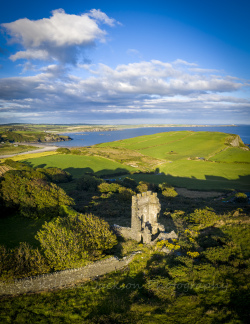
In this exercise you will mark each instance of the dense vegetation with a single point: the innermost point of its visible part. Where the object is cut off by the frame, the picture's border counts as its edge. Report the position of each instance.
(203, 277)
(28, 134)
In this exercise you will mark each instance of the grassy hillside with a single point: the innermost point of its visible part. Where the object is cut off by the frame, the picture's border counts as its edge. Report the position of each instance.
(192, 159)
(77, 165)
(175, 145)
(232, 154)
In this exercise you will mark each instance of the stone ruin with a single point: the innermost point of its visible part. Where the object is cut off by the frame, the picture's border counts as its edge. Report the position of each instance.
(145, 212)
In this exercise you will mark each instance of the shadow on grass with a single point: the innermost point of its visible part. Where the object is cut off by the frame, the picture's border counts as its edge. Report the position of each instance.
(210, 183)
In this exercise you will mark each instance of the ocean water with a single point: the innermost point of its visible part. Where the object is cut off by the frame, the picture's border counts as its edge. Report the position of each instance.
(91, 138)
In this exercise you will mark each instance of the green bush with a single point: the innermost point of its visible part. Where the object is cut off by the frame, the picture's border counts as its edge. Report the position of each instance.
(169, 192)
(70, 241)
(205, 217)
(241, 197)
(75, 152)
(143, 186)
(88, 183)
(32, 197)
(56, 175)
(125, 194)
(63, 150)
(108, 187)
(129, 183)
(22, 261)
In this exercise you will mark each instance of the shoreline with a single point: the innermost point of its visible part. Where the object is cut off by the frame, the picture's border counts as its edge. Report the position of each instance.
(40, 149)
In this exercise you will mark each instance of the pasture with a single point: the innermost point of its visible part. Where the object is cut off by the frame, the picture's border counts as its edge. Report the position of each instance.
(78, 165)
(175, 145)
(194, 160)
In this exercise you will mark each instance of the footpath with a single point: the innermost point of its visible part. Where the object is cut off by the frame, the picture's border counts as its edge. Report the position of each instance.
(64, 278)
(40, 149)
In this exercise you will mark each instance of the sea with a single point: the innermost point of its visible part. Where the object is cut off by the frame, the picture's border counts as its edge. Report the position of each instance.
(92, 138)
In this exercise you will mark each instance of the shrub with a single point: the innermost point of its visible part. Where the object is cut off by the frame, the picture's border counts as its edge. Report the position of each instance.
(63, 150)
(125, 194)
(71, 241)
(206, 217)
(143, 186)
(88, 183)
(22, 261)
(56, 175)
(32, 197)
(241, 197)
(75, 152)
(108, 187)
(129, 183)
(169, 192)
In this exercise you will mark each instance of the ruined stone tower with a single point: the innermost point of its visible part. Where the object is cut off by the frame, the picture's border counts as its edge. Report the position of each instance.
(145, 212)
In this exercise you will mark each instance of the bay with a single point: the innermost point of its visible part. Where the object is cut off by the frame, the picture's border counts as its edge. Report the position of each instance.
(91, 138)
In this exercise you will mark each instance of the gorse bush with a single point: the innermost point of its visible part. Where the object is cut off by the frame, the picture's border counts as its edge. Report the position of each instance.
(32, 197)
(169, 192)
(202, 217)
(125, 194)
(109, 187)
(241, 197)
(56, 175)
(71, 241)
(22, 261)
(63, 150)
(88, 183)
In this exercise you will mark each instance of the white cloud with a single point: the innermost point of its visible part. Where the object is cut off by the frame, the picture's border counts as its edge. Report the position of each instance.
(139, 89)
(101, 16)
(59, 36)
(182, 62)
(31, 55)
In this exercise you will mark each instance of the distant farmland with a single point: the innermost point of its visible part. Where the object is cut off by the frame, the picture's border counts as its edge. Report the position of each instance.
(195, 160)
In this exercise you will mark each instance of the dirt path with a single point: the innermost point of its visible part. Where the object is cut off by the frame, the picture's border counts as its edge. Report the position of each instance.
(40, 148)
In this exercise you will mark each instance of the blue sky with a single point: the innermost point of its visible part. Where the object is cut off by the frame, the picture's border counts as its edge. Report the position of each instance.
(125, 62)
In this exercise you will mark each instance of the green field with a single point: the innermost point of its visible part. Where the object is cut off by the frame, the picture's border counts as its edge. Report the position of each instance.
(191, 159)
(77, 165)
(232, 154)
(175, 145)
(194, 160)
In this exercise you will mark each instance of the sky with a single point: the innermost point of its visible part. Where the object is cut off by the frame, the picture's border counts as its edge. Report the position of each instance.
(125, 62)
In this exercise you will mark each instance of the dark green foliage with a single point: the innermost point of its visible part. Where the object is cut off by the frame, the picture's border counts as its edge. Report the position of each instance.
(109, 187)
(70, 241)
(143, 186)
(32, 197)
(63, 150)
(88, 183)
(75, 152)
(17, 165)
(167, 190)
(129, 183)
(126, 194)
(56, 175)
(241, 197)
(22, 261)
(29, 136)
(203, 217)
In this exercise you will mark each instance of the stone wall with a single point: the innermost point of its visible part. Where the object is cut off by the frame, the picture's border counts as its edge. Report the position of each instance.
(64, 278)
